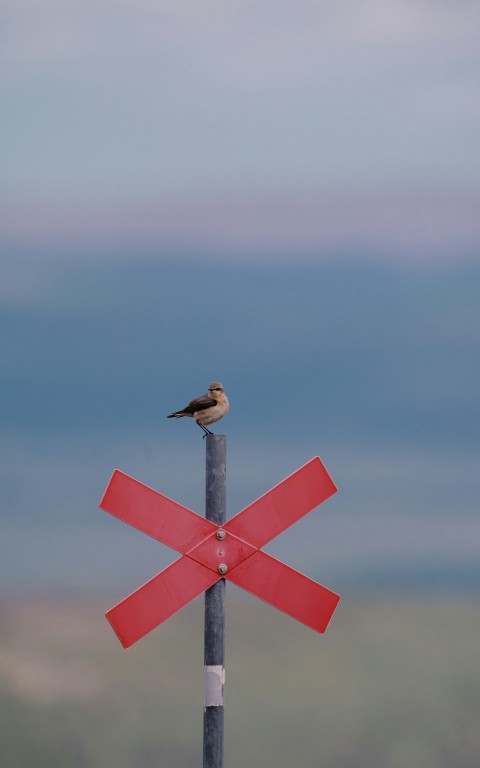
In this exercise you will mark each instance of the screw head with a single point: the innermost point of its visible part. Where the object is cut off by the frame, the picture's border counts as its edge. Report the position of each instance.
(221, 534)
(222, 568)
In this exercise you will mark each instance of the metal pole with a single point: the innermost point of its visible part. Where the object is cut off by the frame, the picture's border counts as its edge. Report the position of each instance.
(214, 655)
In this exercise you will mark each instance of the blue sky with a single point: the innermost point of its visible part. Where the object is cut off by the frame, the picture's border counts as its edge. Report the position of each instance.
(374, 368)
(285, 198)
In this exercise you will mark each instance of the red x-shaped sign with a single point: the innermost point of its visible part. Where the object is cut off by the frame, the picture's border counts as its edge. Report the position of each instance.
(211, 552)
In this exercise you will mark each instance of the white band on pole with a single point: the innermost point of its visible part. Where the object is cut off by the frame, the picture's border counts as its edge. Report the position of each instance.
(214, 683)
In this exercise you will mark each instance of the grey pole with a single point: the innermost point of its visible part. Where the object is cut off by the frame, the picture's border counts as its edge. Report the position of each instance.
(214, 655)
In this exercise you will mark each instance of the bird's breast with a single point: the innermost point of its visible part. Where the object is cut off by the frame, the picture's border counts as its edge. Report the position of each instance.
(210, 415)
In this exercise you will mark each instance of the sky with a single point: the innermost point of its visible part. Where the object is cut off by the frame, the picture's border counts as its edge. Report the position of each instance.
(284, 198)
(375, 369)
(245, 126)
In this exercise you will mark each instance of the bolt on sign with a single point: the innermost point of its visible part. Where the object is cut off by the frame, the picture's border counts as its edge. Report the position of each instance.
(210, 552)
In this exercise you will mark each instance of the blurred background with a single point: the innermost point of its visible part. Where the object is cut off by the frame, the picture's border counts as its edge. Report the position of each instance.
(284, 198)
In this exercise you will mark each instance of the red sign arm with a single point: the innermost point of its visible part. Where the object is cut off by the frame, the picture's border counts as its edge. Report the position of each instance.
(153, 513)
(159, 599)
(283, 505)
(286, 589)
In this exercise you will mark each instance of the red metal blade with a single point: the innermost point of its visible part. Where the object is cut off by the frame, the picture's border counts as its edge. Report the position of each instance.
(283, 505)
(153, 513)
(158, 599)
(286, 589)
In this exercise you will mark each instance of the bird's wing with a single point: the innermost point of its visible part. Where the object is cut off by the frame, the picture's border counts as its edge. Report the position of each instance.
(200, 404)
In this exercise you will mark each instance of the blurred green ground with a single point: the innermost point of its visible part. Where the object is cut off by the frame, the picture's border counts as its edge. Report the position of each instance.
(393, 683)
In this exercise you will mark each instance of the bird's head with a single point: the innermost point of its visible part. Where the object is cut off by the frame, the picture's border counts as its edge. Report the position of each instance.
(215, 388)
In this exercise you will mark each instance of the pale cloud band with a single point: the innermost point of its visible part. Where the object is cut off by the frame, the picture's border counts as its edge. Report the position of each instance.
(381, 225)
(310, 126)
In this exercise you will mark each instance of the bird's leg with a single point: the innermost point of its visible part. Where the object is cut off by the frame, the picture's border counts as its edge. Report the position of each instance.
(205, 430)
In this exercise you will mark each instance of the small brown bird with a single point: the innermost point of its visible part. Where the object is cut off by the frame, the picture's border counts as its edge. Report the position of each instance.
(207, 408)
